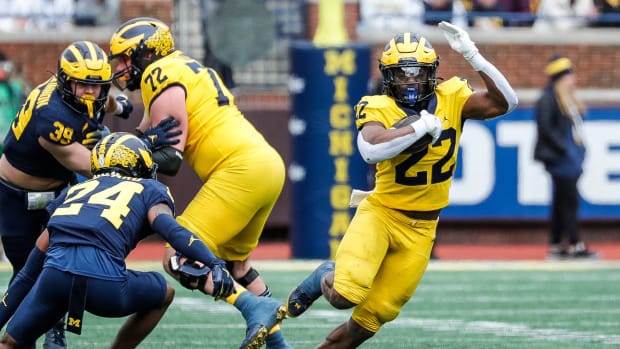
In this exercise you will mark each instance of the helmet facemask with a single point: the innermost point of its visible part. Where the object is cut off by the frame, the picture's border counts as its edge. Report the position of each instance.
(140, 41)
(409, 65)
(84, 63)
(86, 104)
(139, 59)
(410, 84)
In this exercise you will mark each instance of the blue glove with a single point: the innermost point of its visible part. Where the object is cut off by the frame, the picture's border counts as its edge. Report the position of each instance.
(91, 138)
(223, 283)
(125, 107)
(161, 135)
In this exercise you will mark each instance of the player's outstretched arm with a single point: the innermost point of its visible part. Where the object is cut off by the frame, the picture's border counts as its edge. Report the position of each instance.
(500, 98)
(191, 248)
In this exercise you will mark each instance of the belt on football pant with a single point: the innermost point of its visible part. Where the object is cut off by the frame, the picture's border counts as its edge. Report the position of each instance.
(35, 200)
(422, 215)
(77, 303)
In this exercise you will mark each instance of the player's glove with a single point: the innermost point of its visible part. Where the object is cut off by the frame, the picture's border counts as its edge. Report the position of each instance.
(123, 106)
(91, 138)
(161, 135)
(432, 124)
(459, 40)
(223, 283)
(193, 275)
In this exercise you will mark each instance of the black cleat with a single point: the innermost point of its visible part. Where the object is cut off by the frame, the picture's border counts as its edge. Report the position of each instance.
(55, 337)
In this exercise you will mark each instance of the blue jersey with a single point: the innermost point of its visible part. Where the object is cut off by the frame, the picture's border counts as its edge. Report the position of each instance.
(44, 114)
(95, 224)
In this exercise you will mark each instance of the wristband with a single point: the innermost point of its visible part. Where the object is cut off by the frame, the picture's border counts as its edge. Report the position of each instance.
(118, 109)
(419, 126)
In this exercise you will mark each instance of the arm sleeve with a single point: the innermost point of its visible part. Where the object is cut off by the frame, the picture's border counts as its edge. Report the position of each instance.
(182, 239)
(480, 64)
(373, 153)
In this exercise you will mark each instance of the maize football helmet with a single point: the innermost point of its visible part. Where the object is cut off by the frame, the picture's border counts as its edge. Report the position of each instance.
(123, 153)
(409, 65)
(84, 62)
(144, 40)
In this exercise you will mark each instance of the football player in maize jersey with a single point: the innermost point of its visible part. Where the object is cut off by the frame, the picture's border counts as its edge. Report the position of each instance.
(243, 174)
(45, 147)
(93, 226)
(386, 249)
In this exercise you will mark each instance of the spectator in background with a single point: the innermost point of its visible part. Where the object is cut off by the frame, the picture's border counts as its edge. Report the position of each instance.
(95, 12)
(562, 15)
(391, 15)
(452, 11)
(608, 13)
(12, 96)
(520, 12)
(560, 147)
(485, 14)
(41, 15)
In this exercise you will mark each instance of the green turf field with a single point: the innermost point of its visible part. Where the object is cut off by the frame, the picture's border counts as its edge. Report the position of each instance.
(534, 305)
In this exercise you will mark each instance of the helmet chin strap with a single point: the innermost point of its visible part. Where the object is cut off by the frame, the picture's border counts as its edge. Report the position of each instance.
(133, 83)
(120, 76)
(89, 103)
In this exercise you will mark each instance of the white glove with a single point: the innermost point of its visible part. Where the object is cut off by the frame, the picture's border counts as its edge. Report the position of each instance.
(458, 39)
(428, 123)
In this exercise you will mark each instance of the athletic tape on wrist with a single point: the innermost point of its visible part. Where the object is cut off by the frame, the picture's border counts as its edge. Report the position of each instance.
(118, 109)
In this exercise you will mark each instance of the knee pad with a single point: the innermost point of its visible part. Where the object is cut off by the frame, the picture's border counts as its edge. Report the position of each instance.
(246, 279)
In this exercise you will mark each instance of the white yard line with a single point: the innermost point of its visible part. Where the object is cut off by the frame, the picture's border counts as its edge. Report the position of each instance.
(333, 317)
(495, 328)
(435, 265)
(503, 329)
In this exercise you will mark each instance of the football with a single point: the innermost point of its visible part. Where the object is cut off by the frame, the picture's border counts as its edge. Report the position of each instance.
(421, 143)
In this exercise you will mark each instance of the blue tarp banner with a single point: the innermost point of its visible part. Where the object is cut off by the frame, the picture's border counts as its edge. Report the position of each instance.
(325, 84)
(498, 178)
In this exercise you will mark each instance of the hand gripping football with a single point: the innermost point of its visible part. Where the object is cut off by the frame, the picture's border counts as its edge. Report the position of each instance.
(421, 143)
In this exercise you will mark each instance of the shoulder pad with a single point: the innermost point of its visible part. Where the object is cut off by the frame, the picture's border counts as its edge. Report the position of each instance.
(377, 102)
(452, 85)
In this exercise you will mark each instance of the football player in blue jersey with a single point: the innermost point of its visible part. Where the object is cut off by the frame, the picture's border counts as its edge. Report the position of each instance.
(93, 226)
(386, 248)
(47, 144)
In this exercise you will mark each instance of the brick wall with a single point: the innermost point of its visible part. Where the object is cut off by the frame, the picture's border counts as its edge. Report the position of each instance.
(161, 9)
